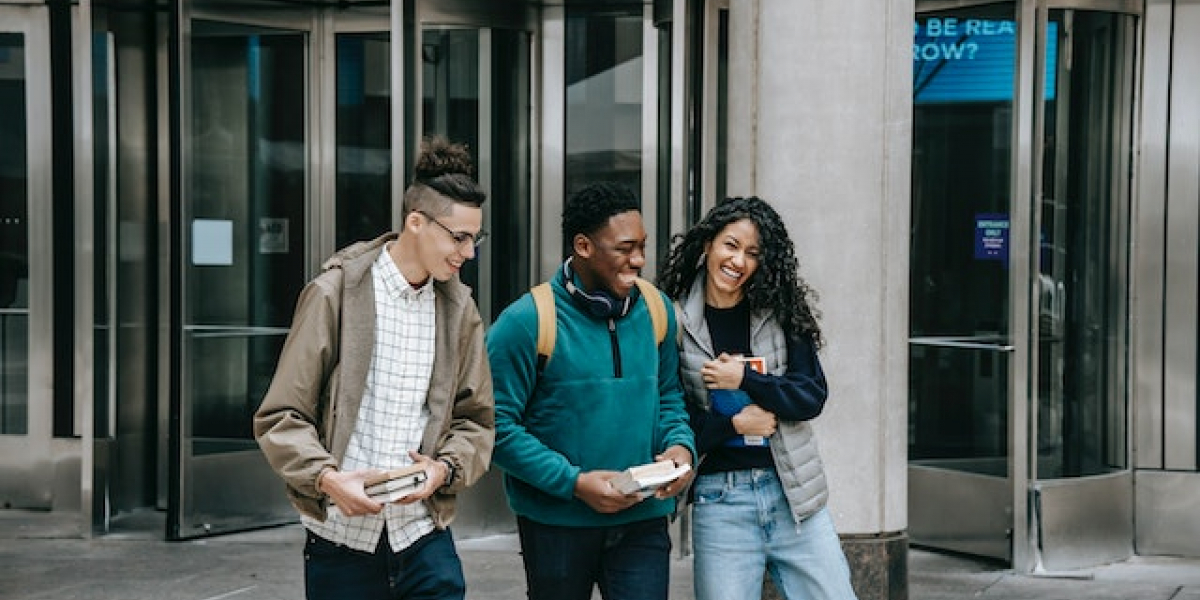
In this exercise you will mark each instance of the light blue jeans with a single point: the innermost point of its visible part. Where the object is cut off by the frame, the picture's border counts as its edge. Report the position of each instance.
(741, 525)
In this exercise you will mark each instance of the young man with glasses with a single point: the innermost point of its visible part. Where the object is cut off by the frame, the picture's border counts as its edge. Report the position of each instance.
(385, 367)
(607, 398)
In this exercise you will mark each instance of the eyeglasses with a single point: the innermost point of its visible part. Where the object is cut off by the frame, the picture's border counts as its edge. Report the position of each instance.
(461, 238)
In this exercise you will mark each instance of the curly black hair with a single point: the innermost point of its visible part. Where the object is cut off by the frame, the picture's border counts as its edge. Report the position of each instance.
(446, 168)
(775, 286)
(590, 208)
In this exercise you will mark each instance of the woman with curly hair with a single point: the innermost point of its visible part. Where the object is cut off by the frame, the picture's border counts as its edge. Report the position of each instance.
(748, 360)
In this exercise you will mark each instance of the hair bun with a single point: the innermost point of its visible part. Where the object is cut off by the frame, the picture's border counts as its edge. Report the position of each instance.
(439, 156)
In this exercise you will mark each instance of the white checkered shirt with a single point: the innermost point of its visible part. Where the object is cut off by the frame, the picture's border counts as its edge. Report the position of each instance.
(393, 414)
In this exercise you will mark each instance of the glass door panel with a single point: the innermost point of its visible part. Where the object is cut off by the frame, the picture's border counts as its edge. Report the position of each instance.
(245, 229)
(25, 259)
(14, 242)
(475, 90)
(364, 144)
(964, 63)
(1083, 251)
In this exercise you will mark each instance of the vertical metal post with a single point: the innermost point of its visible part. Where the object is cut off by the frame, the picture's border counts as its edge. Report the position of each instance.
(399, 69)
(649, 144)
(1025, 183)
(84, 249)
(550, 190)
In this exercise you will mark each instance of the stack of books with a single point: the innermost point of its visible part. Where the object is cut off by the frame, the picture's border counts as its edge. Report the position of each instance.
(731, 402)
(394, 484)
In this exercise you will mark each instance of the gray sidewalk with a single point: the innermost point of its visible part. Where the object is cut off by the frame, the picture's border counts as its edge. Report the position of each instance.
(43, 558)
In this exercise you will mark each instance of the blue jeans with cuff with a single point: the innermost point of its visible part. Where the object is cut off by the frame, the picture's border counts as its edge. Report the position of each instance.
(742, 525)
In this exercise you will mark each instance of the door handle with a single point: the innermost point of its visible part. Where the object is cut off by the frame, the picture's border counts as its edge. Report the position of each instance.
(970, 342)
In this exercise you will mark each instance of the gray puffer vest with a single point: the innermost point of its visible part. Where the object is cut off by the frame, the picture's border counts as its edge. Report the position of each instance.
(794, 444)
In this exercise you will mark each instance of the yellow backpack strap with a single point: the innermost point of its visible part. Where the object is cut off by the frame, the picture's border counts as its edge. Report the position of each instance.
(543, 300)
(658, 309)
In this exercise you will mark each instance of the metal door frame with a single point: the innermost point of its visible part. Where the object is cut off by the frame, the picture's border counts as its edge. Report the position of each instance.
(181, 463)
(1060, 512)
(31, 455)
(991, 504)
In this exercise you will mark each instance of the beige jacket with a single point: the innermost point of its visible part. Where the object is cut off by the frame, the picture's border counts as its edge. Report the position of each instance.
(304, 423)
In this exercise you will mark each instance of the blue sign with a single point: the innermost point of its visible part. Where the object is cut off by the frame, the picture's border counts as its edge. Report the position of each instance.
(971, 60)
(991, 237)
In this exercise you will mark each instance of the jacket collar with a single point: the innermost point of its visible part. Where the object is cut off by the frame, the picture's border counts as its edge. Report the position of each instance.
(692, 316)
(356, 260)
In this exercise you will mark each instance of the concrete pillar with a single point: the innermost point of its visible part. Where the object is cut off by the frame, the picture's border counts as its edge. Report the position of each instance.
(820, 99)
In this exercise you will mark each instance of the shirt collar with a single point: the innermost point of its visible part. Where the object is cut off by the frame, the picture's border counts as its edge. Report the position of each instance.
(394, 283)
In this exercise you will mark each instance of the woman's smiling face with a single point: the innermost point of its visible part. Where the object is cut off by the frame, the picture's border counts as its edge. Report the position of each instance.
(731, 257)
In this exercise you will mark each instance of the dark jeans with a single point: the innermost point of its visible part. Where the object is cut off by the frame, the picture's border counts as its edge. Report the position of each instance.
(628, 562)
(428, 569)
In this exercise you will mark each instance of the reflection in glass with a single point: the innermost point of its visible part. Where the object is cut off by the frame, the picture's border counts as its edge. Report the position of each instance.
(14, 239)
(1081, 354)
(604, 98)
(364, 142)
(963, 67)
(246, 197)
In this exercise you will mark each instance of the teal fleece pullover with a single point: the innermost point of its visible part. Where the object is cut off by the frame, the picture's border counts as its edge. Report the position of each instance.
(580, 415)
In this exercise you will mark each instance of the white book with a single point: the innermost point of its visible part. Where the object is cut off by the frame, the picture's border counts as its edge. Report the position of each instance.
(645, 479)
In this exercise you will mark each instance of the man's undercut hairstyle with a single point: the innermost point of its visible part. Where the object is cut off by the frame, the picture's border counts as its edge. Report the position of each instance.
(444, 175)
(590, 208)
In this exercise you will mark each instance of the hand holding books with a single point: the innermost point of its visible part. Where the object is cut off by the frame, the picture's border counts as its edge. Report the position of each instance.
(730, 402)
(644, 480)
(394, 484)
(346, 490)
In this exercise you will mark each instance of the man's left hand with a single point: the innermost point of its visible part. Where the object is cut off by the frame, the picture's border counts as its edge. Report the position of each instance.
(436, 473)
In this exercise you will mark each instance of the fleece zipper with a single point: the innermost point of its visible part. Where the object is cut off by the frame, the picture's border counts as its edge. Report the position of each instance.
(616, 348)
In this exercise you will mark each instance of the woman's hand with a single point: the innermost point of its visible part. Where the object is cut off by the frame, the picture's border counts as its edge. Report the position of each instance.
(723, 373)
(753, 420)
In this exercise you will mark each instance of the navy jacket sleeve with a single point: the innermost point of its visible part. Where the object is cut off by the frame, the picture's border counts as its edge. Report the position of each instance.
(797, 395)
(711, 429)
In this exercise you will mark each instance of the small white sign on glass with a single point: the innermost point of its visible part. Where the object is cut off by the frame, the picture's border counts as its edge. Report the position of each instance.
(212, 242)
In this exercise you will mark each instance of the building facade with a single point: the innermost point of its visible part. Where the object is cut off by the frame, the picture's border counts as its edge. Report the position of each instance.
(998, 203)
